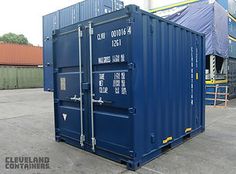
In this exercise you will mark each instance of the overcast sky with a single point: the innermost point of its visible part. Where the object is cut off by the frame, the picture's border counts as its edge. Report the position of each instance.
(25, 16)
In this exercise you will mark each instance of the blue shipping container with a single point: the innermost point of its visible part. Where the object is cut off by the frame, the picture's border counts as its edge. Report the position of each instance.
(65, 17)
(69, 15)
(128, 85)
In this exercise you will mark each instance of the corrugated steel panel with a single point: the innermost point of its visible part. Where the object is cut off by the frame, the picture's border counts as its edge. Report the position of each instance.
(14, 54)
(18, 77)
(31, 77)
(85, 10)
(141, 89)
(8, 78)
(67, 16)
(50, 23)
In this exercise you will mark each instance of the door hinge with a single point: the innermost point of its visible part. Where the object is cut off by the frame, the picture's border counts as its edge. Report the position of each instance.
(90, 28)
(54, 32)
(80, 34)
(131, 66)
(132, 154)
(82, 139)
(132, 110)
(91, 31)
(50, 90)
(131, 20)
(47, 38)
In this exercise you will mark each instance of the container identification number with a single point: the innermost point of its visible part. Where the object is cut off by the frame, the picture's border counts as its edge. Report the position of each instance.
(118, 33)
(121, 32)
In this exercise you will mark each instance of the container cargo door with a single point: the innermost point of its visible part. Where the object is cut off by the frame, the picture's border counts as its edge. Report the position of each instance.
(110, 98)
(93, 105)
(69, 76)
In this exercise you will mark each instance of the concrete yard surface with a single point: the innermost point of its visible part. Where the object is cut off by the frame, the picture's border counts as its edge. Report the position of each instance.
(27, 129)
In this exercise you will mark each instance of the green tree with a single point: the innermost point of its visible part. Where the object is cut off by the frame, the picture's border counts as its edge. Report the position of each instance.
(14, 38)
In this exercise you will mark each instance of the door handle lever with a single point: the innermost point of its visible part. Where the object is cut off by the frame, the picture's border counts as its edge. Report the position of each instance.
(99, 101)
(75, 98)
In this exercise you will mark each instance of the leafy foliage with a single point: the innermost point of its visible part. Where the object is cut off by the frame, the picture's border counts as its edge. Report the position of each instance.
(14, 38)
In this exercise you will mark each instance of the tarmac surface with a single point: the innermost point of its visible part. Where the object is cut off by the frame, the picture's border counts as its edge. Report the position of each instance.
(27, 129)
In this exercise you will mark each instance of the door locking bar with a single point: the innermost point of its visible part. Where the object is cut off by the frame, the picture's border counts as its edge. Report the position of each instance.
(82, 136)
(91, 86)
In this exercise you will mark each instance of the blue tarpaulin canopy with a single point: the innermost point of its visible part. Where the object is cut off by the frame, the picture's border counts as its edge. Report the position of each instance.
(210, 19)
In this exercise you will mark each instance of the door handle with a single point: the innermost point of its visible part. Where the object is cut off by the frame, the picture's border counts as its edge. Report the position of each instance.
(75, 98)
(99, 101)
